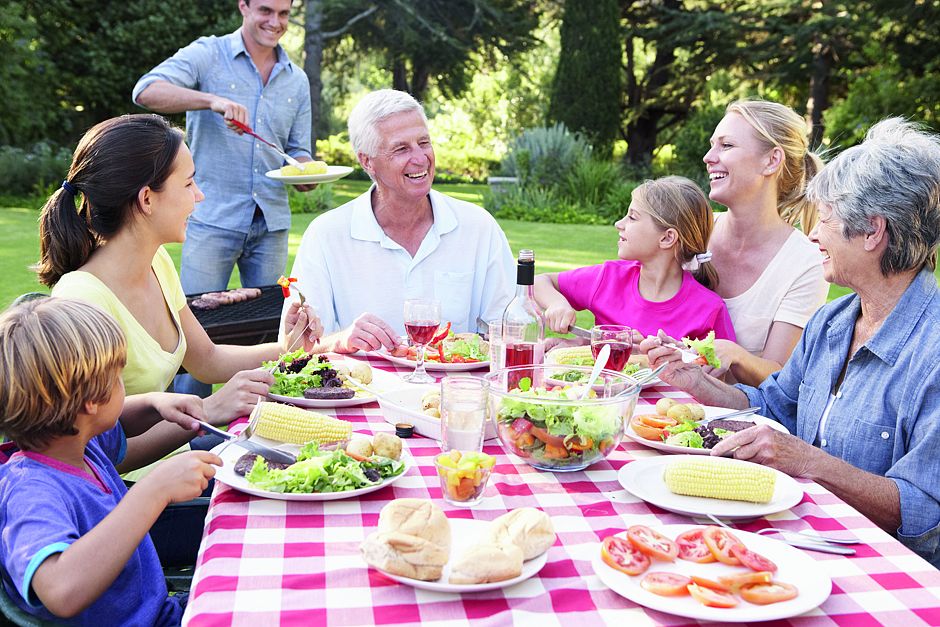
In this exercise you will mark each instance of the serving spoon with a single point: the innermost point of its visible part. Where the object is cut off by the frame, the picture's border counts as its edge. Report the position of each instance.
(599, 365)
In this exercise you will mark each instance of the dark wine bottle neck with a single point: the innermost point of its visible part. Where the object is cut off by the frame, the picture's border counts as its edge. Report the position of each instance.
(525, 274)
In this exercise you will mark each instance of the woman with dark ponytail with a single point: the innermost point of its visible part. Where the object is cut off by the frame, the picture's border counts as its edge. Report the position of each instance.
(129, 191)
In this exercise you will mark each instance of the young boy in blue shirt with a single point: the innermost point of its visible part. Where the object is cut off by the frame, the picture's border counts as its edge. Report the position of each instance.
(74, 540)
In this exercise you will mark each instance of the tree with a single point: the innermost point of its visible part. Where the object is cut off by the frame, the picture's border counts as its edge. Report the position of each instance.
(586, 89)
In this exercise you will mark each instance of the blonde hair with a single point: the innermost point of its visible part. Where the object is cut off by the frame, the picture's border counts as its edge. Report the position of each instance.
(56, 355)
(779, 126)
(675, 202)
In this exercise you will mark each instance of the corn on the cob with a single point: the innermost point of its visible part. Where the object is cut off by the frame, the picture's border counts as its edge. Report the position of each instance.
(299, 426)
(721, 479)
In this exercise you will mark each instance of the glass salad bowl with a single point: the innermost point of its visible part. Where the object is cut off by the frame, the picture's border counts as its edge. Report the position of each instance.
(545, 422)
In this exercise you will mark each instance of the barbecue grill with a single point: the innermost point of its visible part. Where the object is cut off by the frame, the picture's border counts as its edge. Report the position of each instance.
(249, 322)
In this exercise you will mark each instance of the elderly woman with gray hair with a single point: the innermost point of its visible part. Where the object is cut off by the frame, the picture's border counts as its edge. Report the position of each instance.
(861, 391)
(359, 262)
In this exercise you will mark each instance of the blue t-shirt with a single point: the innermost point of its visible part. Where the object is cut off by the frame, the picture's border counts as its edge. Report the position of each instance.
(46, 505)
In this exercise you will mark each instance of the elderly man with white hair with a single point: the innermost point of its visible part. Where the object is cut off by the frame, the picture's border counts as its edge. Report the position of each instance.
(358, 263)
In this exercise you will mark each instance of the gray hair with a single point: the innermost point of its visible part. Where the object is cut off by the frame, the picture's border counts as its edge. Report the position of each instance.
(372, 109)
(895, 174)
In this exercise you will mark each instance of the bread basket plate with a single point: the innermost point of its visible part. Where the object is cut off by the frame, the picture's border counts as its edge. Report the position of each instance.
(333, 173)
(643, 478)
(464, 534)
(710, 412)
(794, 567)
(404, 405)
(381, 382)
(431, 365)
(230, 454)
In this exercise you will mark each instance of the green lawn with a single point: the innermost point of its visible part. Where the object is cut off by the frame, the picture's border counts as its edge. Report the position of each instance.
(557, 246)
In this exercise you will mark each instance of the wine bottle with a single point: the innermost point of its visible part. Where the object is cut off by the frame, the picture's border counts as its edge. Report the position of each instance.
(523, 328)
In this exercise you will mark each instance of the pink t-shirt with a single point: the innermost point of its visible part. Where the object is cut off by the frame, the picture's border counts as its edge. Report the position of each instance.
(611, 292)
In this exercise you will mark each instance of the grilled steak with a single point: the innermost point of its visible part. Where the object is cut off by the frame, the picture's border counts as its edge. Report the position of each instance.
(246, 461)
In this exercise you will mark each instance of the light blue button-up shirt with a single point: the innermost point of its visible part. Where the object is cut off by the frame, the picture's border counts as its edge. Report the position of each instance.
(885, 418)
(230, 167)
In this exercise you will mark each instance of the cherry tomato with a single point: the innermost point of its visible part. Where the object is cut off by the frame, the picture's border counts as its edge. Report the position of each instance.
(752, 560)
(655, 420)
(704, 582)
(720, 543)
(618, 553)
(766, 593)
(692, 547)
(653, 543)
(734, 582)
(712, 598)
(666, 584)
(645, 431)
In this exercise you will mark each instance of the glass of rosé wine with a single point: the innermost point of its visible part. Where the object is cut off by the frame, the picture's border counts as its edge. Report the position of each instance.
(620, 339)
(422, 318)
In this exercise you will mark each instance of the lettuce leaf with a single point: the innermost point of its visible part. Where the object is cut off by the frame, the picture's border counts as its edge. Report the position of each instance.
(705, 348)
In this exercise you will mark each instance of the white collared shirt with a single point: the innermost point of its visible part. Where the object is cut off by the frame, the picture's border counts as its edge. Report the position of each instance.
(346, 266)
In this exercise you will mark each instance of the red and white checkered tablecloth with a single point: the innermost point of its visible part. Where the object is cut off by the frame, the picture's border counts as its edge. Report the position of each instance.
(267, 562)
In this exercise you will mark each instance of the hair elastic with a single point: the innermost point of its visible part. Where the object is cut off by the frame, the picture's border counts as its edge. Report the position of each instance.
(696, 262)
(69, 187)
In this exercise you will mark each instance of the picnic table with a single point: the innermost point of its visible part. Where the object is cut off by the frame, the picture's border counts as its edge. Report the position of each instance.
(272, 562)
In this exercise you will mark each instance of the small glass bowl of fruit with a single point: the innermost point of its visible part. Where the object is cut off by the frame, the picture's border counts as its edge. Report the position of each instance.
(463, 476)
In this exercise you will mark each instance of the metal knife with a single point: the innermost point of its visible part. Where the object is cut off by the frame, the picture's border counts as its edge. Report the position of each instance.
(733, 414)
(809, 545)
(580, 332)
(273, 454)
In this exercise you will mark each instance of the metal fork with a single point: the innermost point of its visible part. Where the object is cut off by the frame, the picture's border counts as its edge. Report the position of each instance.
(815, 542)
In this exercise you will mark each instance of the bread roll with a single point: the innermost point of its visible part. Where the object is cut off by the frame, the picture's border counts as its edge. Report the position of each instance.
(484, 563)
(405, 555)
(528, 528)
(416, 517)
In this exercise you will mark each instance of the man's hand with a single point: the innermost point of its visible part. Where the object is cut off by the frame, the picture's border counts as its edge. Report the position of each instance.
(238, 397)
(769, 447)
(181, 409)
(369, 333)
(230, 110)
(181, 477)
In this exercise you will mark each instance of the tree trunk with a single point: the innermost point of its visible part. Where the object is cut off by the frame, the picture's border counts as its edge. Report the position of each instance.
(641, 139)
(419, 81)
(313, 61)
(400, 76)
(819, 91)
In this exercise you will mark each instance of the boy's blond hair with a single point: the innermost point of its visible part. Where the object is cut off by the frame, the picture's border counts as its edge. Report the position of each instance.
(56, 354)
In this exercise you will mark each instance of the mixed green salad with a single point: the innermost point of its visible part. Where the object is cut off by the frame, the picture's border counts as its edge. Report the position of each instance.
(323, 471)
(582, 356)
(557, 435)
(299, 371)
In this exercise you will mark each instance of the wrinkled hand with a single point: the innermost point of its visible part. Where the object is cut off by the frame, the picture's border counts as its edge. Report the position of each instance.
(301, 320)
(660, 350)
(560, 316)
(369, 333)
(181, 477)
(561, 342)
(230, 110)
(769, 447)
(181, 409)
(237, 397)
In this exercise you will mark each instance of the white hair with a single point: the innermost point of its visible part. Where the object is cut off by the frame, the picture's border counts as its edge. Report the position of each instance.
(894, 173)
(372, 109)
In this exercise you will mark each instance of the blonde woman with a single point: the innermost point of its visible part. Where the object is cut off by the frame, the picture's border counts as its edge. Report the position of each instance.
(772, 280)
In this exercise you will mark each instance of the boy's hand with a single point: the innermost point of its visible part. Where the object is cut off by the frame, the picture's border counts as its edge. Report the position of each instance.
(181, 477)
(181, 409)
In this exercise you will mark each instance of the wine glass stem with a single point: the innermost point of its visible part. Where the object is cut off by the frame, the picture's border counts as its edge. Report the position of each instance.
(419, 367)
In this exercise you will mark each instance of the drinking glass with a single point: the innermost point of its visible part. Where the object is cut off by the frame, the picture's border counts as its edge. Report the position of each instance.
(620, 339)
(495, 335)
(463, 413)
(422, 318)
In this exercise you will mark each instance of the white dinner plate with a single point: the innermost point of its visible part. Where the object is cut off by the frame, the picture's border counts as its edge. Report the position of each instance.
(464, 533)
(643, 478)
(404, 405)
(226, 474)
(381, 382)
(686, 450)
(551, 358)
(431, 365)
(333, 173)
(794, 567)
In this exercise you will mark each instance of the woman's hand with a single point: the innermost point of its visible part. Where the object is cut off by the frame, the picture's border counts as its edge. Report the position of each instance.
(769, 447)
(302, 328)
(560, 316)
(661, 349)
(181, 409)
(237, 397)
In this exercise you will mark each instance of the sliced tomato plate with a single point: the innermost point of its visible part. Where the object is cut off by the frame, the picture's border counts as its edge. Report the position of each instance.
(794, 567)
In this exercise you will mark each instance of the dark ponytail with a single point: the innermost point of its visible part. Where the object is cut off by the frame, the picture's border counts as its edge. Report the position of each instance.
(113, 161)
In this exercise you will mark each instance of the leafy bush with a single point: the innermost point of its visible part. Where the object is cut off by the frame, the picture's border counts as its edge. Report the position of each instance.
(538, 204)
(543, 156)
(32, 171)
(591, 181)
(316, 201)
(692, 142)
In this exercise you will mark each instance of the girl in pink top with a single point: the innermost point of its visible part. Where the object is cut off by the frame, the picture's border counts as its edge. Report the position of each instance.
(662, 279)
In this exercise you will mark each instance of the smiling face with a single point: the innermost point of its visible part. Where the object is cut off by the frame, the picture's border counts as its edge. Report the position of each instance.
(403, 165)
(264, 22)
(176, 200)
(640, 236)
(737, 162)
(840, 255)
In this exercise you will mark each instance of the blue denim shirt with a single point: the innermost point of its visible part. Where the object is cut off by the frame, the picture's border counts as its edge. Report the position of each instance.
(230, 167)
(885, 418)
